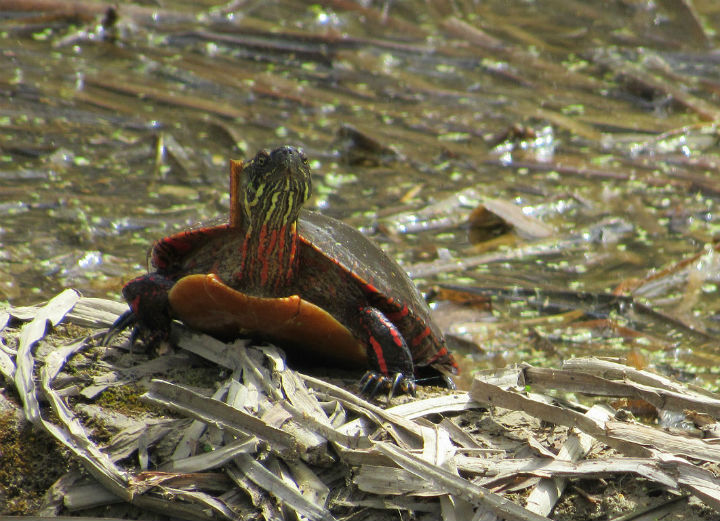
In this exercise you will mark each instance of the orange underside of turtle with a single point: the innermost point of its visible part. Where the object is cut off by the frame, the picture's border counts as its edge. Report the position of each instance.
(206, 303)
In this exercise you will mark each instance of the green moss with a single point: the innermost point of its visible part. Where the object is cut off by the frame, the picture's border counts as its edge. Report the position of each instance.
(31, 461)
(124, 399)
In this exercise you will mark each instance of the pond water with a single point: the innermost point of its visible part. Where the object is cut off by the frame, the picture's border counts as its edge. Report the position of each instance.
(595, 118)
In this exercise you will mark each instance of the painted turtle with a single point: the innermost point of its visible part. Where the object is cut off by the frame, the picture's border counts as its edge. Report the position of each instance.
(290, 275)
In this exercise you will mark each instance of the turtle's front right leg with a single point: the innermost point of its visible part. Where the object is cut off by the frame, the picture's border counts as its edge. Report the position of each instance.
(391, 364)
(149, 312)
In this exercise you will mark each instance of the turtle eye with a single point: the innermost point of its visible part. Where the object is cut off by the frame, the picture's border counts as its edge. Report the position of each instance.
(261, 159)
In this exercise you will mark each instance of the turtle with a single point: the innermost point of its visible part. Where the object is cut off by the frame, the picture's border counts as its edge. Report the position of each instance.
(290, 275)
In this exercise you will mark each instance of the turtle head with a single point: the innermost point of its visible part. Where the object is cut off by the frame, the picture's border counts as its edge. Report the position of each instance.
(274, 186)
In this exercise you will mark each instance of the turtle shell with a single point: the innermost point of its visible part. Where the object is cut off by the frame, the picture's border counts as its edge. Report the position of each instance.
(339, 271)
(353, 252)
(379, 275)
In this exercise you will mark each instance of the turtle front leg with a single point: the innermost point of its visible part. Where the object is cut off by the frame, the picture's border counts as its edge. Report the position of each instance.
(390, 359)
(149, 311)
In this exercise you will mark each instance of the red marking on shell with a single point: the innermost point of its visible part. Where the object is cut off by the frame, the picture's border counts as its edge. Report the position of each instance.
(370, 288)
(443, 352)
(398, 314)
(419, 338)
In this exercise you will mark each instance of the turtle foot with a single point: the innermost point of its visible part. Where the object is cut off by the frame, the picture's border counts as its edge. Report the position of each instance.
(149, 313)
(154, 340)
(123, 322)
(372, 383)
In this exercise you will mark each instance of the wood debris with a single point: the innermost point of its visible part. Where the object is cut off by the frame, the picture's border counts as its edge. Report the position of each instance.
(267, 442)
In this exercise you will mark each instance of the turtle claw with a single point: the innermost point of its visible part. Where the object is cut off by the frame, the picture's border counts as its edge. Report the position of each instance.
(372, 383)
(402, 385)
(152, 339)
(369, 384)
(123, 322)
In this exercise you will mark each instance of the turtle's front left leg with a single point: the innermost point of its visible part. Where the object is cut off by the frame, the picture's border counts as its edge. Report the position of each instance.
(149, 312)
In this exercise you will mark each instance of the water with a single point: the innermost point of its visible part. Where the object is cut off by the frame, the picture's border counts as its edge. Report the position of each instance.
(591, 116)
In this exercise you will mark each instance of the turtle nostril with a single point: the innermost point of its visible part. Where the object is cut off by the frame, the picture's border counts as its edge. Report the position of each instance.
(285, 151)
